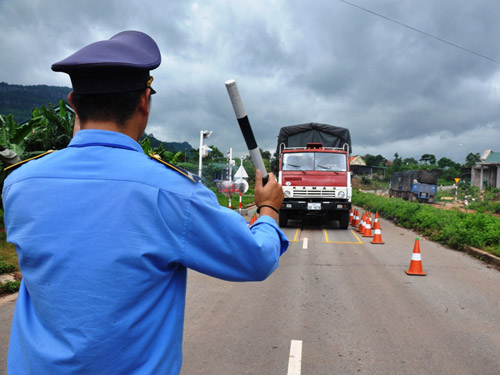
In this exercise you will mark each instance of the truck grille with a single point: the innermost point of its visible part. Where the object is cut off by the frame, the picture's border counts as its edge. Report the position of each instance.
(303, 192)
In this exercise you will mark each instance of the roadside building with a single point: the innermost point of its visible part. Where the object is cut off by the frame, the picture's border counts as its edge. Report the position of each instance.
(358, 165)
(487, 171)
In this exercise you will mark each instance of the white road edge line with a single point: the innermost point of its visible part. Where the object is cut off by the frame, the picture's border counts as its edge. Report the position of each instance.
(295, 359)
(304, 244)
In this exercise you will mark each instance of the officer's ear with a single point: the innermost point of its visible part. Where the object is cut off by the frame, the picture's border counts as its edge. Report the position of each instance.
(145, 102)
(71, 101)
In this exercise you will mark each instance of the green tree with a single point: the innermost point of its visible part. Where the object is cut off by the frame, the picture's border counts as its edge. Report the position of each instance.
(428, 159)
(266, 155)
(410, 161)
(449, 169)
(250, 169)
(215, 155)
(374, 161)
(445, 163)
(397, 162)
(471, 159)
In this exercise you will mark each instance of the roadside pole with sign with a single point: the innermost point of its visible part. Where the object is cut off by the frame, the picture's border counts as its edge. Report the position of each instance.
(457, 180)
(241, 174)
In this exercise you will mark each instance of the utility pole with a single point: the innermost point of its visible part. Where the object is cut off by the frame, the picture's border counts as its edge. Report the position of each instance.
(203, 149)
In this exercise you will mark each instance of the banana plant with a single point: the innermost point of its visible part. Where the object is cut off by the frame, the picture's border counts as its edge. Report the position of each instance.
(52, 130)
(12, 135)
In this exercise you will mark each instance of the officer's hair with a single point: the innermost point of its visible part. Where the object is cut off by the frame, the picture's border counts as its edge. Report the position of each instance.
(117, 107)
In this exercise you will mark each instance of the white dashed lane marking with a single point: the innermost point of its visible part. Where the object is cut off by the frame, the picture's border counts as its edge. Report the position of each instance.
(304, 244)
(295, 359)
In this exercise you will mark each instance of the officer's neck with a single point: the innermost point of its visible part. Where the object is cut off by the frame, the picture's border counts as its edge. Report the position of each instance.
(130, 128)
(134, 126)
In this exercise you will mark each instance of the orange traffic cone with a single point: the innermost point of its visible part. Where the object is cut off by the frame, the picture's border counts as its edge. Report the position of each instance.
(361, 228)
(253, 219)
(355, 219)
(351, 215)
(376, 217)
(416, 261)
(377, 237)
(368, 228)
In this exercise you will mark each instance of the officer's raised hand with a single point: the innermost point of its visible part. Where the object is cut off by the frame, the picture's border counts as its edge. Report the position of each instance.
(269, 197)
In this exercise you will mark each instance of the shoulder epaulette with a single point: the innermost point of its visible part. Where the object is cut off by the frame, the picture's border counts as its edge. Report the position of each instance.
(180, 170)
(18, 164)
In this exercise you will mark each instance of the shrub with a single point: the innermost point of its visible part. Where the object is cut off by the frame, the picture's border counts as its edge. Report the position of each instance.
(450, 227)
(6, 268)
(9, 286)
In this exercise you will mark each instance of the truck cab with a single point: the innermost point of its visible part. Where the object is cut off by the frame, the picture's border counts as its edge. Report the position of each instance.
(316, 181)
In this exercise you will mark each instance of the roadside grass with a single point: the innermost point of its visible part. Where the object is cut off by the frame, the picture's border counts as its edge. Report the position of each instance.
(453, 228)
(246, 200)
(487, 201)
(8, 264)
(367, 183)
(8, 256)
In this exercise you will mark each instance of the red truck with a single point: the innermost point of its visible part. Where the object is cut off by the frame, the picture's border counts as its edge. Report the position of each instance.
(314, 172)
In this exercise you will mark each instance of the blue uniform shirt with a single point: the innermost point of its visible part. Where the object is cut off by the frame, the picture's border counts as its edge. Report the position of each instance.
(104, 236)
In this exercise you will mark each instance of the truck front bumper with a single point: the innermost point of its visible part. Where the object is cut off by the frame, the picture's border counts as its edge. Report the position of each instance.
(314, 207)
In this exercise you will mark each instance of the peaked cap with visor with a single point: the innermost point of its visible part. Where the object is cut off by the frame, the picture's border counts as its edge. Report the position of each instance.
(120, 64)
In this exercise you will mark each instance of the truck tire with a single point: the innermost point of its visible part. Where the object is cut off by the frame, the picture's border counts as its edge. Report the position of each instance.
(283, 219)
(344, 220)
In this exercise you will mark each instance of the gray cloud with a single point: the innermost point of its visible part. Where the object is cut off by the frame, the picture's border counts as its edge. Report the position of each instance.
(397, 90)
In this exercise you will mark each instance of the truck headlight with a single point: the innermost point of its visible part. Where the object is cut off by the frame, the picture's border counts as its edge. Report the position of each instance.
(341, 194)
(287, 193)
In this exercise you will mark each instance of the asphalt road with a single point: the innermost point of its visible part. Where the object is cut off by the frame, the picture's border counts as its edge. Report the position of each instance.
(348, 307)
(7, 305)
(353, 308)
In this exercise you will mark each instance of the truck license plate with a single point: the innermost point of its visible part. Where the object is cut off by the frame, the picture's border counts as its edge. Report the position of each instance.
(314, 206)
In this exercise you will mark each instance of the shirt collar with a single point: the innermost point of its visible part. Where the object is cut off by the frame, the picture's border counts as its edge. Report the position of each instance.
(105, 137)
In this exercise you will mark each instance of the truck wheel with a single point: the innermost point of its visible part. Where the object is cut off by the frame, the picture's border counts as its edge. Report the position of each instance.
(283, 219)
(344, 220)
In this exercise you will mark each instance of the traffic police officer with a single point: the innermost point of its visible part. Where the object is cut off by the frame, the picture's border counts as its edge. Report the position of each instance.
(105, 234)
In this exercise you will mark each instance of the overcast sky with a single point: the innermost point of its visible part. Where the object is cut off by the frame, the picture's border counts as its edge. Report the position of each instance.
(395, 88)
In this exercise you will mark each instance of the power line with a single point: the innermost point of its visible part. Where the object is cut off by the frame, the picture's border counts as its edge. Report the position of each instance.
(421, 32)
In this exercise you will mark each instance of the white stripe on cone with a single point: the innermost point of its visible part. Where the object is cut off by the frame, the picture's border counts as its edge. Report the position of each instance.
(416, 256)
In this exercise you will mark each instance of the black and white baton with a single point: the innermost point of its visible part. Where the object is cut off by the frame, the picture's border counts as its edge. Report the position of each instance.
(245, 127)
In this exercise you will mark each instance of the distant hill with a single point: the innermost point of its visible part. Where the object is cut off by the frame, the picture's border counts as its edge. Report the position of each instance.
(20, 100)
(170, 146)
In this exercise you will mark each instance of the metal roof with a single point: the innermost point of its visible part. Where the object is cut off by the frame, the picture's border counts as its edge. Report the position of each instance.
(493, 158)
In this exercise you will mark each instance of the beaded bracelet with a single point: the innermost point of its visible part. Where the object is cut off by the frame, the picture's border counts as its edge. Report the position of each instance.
(266, 205)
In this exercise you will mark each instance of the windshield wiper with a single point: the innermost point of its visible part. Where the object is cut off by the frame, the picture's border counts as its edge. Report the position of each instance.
(322, 166)
(297, 166)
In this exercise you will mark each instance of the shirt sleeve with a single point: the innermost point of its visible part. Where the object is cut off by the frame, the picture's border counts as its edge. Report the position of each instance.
(219, 243)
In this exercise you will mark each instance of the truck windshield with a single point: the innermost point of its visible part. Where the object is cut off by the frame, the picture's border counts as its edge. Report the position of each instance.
(319, 161)
(327, 161)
